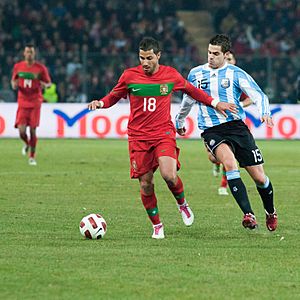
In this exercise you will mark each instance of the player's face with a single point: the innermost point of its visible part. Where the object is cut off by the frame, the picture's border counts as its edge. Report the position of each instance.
(149, 61)
(216, 58)
(230, 58)
(29, 54)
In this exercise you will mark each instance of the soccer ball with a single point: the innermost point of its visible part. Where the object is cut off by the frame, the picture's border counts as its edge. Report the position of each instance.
(93, 226)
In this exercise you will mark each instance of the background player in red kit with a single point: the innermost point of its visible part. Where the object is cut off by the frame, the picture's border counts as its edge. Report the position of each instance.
(29, 77)
(151, 133)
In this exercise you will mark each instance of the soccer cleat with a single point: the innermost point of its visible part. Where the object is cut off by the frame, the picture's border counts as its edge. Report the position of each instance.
(271, 220)
(32, 161)
(25, 150)
(222, 191)
(158, 231)
(186, 214)
(216, 170)
(249, 221)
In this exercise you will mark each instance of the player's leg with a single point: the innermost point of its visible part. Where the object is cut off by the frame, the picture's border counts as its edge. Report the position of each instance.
(24, 138)
(225, 155)
(168, 170)
(150, 203)
(224, 183)
(21, 123)
(32, 144)
(216, 165)
(142, 167)
(265, 190)
(222, 190)
(33, 124)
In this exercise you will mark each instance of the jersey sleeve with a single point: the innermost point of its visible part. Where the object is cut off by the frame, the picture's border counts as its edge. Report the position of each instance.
(118, 92)
(185, 108)
(14, 73)
(254, 92)
(197, 94)
(45, 77)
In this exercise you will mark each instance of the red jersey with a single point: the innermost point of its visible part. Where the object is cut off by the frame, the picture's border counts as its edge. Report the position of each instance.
(29, 86)
(150, 100)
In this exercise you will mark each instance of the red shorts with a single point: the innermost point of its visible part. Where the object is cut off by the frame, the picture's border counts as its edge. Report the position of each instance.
(28, 117)
(144, 155)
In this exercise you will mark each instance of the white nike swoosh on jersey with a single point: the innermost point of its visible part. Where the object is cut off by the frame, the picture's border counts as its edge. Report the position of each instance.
(135, 90)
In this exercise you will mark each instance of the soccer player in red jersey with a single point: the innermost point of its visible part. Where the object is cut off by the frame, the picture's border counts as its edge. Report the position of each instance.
(151, 133)
(29, 77)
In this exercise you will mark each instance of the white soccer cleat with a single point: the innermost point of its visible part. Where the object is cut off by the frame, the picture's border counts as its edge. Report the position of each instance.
(32, 161)
(216, 170)
(186, 214)
(158, 231)
(25, 150)
(222, 191)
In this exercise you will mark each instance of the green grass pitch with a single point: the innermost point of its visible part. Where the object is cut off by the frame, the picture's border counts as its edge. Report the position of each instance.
(43, 255)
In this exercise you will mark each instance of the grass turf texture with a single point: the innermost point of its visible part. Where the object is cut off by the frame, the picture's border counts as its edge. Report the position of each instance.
(43, 255)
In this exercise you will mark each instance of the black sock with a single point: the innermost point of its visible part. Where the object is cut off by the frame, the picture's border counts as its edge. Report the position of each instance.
(267, 195)
(239, 193)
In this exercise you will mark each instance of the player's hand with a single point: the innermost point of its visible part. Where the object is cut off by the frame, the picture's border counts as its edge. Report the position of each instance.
(14, 84)
(222, 106)
(181, 131)
(268, 120)
(44, 84)
(95, 104)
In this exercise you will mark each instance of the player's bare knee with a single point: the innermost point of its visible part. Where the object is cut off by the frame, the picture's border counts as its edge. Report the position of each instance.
(260, 179)
(170, 179)
(147, 187)
(212, 158)
(229, 164)
(22, 134)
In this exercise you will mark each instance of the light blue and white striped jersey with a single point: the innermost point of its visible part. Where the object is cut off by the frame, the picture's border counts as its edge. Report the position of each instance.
(225, 84)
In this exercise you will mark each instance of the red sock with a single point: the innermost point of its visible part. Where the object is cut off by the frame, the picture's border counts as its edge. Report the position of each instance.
(32, 144)
(178, 191)
(224, 182)
(150, 204)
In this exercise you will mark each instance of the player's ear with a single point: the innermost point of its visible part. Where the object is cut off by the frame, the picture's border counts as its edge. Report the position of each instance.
(158, 55)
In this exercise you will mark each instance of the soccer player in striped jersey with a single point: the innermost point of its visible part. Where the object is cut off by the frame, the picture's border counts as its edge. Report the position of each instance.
(151, 133)
(228, 138)
(244, 102)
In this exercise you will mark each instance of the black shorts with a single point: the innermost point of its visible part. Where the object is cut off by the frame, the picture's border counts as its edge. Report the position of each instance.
(237, 135)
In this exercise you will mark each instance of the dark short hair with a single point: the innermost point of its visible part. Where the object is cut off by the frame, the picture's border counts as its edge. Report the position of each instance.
(29, 45)
(222, 40)
(149, 43)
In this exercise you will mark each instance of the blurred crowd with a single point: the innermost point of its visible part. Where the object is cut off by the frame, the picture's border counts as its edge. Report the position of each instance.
(266, 38)
(86, 44)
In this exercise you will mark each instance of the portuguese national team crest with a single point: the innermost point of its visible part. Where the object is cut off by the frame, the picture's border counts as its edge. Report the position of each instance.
(164, 89)
(225, 83)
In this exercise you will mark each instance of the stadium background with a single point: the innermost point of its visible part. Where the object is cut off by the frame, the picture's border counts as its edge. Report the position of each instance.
(87, 44)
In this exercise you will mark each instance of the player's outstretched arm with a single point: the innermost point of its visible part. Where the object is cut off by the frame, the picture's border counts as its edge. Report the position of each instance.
(95, 104)
(204, 98)
(268, 120)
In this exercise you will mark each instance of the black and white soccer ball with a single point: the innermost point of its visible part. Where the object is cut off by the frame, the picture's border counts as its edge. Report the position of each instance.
(93, 226)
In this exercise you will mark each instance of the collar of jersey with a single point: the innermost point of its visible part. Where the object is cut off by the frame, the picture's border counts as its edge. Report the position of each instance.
(207, 68)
